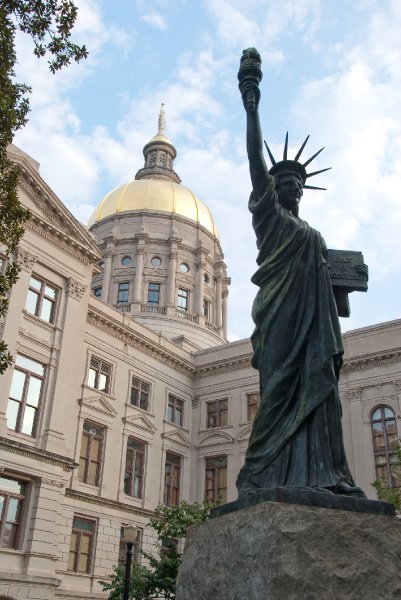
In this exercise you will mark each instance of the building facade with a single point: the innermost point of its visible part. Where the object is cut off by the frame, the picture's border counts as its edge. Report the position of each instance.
(125, 393)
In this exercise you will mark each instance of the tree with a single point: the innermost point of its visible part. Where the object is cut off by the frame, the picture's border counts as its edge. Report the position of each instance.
(382, 487)
(49, 23)
(158, 579)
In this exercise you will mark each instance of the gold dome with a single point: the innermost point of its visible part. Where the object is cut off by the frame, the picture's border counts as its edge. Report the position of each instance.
(157, 195)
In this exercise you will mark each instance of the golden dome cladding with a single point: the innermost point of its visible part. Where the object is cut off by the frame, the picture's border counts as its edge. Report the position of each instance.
(156, 195)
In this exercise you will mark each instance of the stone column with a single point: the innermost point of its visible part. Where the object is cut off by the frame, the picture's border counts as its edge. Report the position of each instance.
(43, 534)
(219, 297)
(200, 317)
(107, 259)
(137, 299)
(172, 270)
(225, 296)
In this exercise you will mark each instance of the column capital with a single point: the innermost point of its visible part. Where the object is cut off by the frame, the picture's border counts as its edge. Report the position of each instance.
(75, 289)
(25, 259)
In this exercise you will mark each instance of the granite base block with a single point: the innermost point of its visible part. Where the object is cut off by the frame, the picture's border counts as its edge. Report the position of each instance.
(281, 551)
(307, 497)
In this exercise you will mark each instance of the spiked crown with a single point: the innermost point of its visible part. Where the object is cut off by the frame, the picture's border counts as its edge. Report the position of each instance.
(294, 166)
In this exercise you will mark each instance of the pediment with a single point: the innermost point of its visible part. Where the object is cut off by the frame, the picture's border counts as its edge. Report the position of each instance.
(99, 404)
(47, 211)
(215, 437)
(141, 422)
(178, 437)
(245, 433)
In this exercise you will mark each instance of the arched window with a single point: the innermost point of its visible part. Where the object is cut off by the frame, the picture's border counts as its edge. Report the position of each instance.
(385, 444)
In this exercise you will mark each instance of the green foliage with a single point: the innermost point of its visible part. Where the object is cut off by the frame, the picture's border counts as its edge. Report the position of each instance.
(49, 23)
(384, 491)
(157, 580)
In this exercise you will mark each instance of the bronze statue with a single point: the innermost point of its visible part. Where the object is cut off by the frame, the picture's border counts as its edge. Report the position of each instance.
(297, 438)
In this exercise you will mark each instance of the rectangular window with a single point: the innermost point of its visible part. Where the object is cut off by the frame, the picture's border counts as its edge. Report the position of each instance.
(172, 479)
(41, 299)
(12, 496)
(182, 300)
(140, 393)
(154, 293)
(122, 551)
(99, 375)
(206, 308)
(217, 413)
(97, 292)
(216, 478)
(175, 410)
(134, 468)
(90, 460)
(123, 291)
(253, 401)
(80, 557)
(25, 395)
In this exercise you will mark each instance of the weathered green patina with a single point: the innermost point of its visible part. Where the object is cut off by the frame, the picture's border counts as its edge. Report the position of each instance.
(297, 438)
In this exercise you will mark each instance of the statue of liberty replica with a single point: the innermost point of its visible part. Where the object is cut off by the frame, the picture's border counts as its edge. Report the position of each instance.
(301, 529)
(297, 438)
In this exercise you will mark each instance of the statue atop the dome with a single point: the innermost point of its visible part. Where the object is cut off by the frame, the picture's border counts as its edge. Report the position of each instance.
(297, 438)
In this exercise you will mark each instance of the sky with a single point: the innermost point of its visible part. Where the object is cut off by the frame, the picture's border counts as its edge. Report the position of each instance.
(330, 69)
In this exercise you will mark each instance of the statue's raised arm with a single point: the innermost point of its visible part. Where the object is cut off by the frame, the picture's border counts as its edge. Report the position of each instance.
(249, 76)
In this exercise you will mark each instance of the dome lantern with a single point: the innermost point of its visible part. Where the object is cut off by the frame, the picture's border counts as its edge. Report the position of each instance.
(159, 155)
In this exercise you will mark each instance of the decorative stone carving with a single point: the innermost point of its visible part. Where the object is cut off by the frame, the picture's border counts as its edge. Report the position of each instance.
(195, 401)
(397, 386)
(75, 289)
(53, 482)
(354, 395)
(25, 259)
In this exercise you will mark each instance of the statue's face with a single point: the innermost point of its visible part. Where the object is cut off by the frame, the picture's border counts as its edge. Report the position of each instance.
(289, 190)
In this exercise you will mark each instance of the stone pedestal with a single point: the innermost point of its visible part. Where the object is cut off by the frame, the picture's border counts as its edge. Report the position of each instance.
(281, 551)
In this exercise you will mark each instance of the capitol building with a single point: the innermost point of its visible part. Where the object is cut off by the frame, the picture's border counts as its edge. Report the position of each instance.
(125, 392)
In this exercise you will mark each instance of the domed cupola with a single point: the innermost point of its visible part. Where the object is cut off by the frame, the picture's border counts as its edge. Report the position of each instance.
(162, 259)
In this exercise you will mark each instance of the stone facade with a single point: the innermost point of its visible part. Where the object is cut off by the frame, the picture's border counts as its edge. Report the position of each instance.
(110, 378)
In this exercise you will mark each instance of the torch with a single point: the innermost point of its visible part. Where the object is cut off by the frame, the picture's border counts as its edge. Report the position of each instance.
(250, 71)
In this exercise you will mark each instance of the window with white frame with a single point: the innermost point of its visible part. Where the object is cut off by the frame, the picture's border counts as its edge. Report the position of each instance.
(25, 395)
(90, 459)
(12, 498)
(175, 410)
(183, 299)
(216, 478)
(99, 375)
(172, 479)
(134, 467)
(140, 391)
(217, 413)
(82, 545)
(252, 403)
(41, 299)
(385, 445)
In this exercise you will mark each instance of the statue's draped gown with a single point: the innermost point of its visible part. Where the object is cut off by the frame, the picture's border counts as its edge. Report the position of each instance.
(297, 436)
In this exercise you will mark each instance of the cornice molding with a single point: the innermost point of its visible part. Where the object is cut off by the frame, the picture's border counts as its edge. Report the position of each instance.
(72, 241)
(114, 504)
(135, 340)
(67, 464)
(370, 361)
(225, 366)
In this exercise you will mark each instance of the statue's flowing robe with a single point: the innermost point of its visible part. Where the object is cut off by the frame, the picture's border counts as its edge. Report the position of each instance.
(297, 436)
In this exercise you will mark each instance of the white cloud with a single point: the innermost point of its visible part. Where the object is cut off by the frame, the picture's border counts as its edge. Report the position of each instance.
(155, 19)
